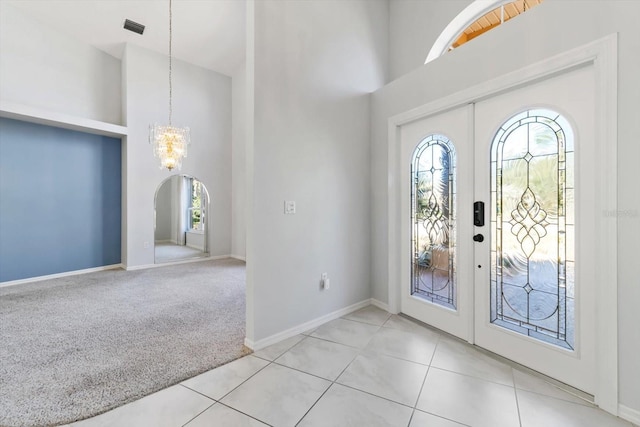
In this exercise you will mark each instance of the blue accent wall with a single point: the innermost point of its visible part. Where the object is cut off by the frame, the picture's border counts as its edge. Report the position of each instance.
(60, 200)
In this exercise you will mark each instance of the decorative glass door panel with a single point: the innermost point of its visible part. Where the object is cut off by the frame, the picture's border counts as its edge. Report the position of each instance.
(534, 271)
(433, 275)
(436, 197)
(532, 278)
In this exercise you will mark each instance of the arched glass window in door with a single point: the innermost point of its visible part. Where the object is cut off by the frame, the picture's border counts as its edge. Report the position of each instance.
(433, 275)
(533, 227)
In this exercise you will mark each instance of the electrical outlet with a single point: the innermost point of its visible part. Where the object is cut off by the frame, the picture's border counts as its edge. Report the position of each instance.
(146, 245)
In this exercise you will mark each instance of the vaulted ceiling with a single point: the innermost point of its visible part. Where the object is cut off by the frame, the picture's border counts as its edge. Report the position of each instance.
(208, 33)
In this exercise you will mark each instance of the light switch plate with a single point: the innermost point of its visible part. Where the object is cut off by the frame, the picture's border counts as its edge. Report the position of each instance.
(289, 207)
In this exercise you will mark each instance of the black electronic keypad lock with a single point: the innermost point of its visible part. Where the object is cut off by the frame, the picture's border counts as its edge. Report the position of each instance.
(478, 214)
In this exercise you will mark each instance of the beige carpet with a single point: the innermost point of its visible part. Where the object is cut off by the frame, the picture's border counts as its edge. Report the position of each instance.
(73, 347)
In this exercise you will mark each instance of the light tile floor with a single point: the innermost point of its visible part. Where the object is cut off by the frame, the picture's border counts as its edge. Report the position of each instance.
(366, 369)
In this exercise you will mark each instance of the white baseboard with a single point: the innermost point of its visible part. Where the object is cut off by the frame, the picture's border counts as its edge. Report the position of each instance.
(220, 256)
(57, 275)
(382, 305)
(629, 414)
(110, 267)
(265, 342)
(241, 258)
(141, 267)
(194, 247)
(184, 261)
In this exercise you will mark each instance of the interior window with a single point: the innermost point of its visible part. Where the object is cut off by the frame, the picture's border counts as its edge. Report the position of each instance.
(195, 206)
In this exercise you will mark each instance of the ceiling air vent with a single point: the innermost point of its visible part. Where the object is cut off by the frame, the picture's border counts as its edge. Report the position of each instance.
(133, 26)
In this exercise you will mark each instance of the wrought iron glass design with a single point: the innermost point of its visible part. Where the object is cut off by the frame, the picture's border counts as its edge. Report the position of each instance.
(433, 274)
(533, 227)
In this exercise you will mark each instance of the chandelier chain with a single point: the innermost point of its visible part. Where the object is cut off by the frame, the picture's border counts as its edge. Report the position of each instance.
(170, 85)
(170, 143)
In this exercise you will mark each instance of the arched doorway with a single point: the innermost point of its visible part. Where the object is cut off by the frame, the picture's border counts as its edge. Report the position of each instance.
(181, 210)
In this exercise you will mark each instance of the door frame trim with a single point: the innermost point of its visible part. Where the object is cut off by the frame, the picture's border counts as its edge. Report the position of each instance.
(602, 54)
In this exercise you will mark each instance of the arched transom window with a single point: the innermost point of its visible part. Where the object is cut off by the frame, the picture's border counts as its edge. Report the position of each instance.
(478, 18)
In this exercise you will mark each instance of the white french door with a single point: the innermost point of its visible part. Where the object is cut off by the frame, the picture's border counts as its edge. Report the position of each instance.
(437, 153)
(535, 168)
(522, 284)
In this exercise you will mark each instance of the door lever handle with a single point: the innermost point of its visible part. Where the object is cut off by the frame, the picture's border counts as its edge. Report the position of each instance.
(478, 238)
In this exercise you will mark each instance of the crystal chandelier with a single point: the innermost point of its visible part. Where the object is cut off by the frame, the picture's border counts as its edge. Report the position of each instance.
(169, 142)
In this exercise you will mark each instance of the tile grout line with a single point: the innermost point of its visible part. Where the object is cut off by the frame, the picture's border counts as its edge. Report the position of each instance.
(200, 413)
(360, 351)
(243, 413)
(314, 404)
(273, 362)
(520, 368)
(350, 363)
(303, 372)
(584, 403)
(332, 342)
(422, 388)
(363, 351)
(366, 323)
(515, 393)
(374, 395)
(424, 380)
(287, 349)
(270, 362)
(236, 387)
(471, 376)
(330, 385)
(335, 381)
(381, 353)
(196, 391)
(430, 365)
(413, 411)
(247, 379)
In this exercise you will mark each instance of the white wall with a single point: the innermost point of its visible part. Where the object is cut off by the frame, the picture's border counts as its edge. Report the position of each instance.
(315, 65)
(195, 240)
(238, 162)
(40, 67)
(414, 26)
(202, 101)
(551, 28)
